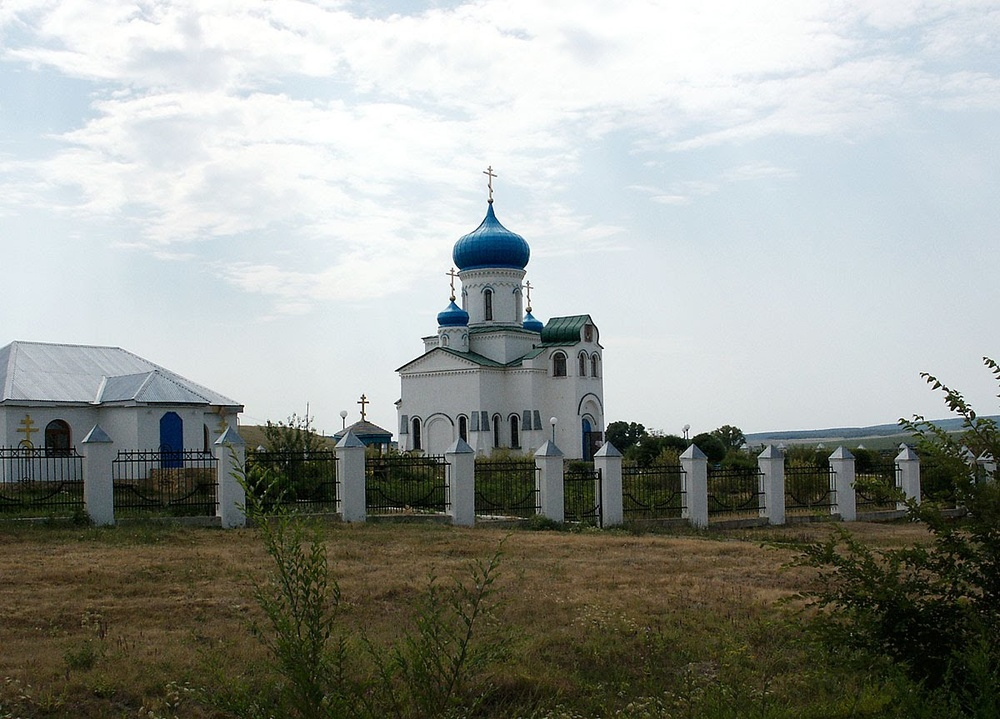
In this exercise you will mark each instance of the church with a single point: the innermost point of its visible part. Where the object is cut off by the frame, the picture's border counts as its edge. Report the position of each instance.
(495, 376)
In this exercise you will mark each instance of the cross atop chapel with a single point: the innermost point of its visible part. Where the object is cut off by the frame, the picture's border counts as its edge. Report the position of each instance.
(489, 183)
(363, 401)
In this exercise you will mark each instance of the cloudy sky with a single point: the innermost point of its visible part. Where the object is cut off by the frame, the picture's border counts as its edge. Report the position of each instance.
(778, 213)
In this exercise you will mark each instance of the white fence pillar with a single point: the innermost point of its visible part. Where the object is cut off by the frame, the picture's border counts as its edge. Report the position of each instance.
(549, 460)
(230, 452)
(695, 466)
(771, 463)
(608, 460)
(98, 479)
(351, 500)
(987, 465)
(842, 464)
(908, 464)
(461, 460)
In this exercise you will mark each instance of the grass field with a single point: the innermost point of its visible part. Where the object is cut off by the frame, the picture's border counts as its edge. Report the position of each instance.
(150, 620)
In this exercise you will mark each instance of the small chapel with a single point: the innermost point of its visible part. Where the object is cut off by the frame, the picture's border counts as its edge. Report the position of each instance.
(493, 375)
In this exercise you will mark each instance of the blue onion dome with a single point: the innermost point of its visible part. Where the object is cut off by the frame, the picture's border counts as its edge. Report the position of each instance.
(453, 316)
(531, 324)
(491, 245)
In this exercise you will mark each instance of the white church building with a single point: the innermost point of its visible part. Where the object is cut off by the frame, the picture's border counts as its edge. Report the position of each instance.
(52, 395)
(495, 376)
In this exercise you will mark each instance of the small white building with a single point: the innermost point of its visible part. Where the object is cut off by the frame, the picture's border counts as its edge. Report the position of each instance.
(493, 374)
(54, 394)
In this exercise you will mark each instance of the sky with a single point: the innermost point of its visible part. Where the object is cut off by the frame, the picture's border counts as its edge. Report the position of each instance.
(777, 213)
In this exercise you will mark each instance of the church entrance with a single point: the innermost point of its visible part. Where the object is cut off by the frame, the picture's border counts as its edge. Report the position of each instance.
(591, 440)
(171, 440)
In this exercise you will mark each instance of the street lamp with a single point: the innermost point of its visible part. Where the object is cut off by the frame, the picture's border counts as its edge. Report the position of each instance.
(343, 419)
(686, 428)
(553, 421)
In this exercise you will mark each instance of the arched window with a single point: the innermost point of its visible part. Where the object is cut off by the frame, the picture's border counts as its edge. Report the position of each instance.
(496, 430)
(594, 365)
(463, 428)
(515, 435)
(487, 304)
(444, 340)
(206, 438)
(558, 365)
(416, 433)
(57, 438)
(583, 364)
(518, 311)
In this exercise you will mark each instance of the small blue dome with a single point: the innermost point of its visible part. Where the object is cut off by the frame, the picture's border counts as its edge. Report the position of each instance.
(491, 245)
(453, 316)
(530, 323)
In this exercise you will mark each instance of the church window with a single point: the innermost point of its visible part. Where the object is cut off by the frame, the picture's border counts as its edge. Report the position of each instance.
(488, 304)
(463, 428)
(558, 365)
(57, 438)
(416, 433)
(496, 430)
(594, 362)
(588, 333)
(518, 311)
(583, 364)
(444, 340)
(515, 435)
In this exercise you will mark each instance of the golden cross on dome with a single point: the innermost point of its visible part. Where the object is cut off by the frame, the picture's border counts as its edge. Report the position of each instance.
(489, 183)
(452, 275)
(363, 402)
(527, 286)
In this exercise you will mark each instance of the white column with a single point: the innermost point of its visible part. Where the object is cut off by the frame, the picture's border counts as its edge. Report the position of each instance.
(771, 463)
(987, 464)
(351, 500)
(98, 479)
(549, 460)
(230, 453)
(608, 461)
(842, 464)
(461, 473)
(695, 466)
(909, 476)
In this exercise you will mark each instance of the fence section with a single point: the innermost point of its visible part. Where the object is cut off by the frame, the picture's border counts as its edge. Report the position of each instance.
(175, 484)
(37, 483)
(654, 492)
(507, 488)
(809, 490)
(877, 487)
(582, 493)
(402, 484)
(306, 481)
(734, 493)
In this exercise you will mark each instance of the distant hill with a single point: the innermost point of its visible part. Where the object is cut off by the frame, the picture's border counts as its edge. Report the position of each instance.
(873, 436)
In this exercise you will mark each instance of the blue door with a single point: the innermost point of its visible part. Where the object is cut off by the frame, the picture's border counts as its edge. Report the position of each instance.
(588, 452)
(171, 440)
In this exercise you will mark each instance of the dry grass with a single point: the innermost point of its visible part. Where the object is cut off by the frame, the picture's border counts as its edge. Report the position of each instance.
(98, 623)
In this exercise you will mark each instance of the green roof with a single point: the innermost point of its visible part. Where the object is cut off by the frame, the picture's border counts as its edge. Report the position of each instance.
(564, 330)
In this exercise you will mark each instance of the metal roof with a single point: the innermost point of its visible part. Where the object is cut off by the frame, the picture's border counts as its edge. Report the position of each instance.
(564, 330)
(41, 372)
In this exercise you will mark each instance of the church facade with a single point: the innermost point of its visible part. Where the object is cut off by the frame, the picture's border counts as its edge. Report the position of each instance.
(495, 376)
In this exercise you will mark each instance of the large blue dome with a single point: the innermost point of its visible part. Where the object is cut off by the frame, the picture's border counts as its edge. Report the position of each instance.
(453, 316)
(491, 245)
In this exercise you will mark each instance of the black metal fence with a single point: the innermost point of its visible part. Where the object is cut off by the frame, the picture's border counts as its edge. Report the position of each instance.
(809, 490)
(36, 483)
(507, 488)
(877, 489)
(734, 493)
(402, 484)
(150, 483)
(654, 492)
(306, 481)
(582, 494)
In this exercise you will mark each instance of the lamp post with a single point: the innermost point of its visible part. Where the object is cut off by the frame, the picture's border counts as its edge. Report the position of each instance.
(553, 421)
(343, 419)
(686, 428)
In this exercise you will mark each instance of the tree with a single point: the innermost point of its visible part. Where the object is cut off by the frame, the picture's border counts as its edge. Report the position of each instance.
(624, 435)
(295, 435)
(711, 445)
(730, 436)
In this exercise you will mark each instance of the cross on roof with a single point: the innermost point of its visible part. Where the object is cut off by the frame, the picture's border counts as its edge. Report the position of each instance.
(489, 183)
(527, 286)
(363, 401)
(453, 275)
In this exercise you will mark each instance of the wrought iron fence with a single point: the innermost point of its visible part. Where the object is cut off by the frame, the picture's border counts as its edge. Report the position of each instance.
(179, 484)
(507, 488)
(654, 492)
(809, 490)
(402, 484)
(305, 481)
(36, 483)
(734, 492)
(582, 494)
(878, 488)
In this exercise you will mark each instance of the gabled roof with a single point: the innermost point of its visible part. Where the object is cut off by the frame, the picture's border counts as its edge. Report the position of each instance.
(41, 372)
(470, 357)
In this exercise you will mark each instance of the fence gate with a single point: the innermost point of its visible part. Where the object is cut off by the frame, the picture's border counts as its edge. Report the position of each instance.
(582, 494)
(306, 481)
(40, 482)
(406, 484)
(144, 486)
